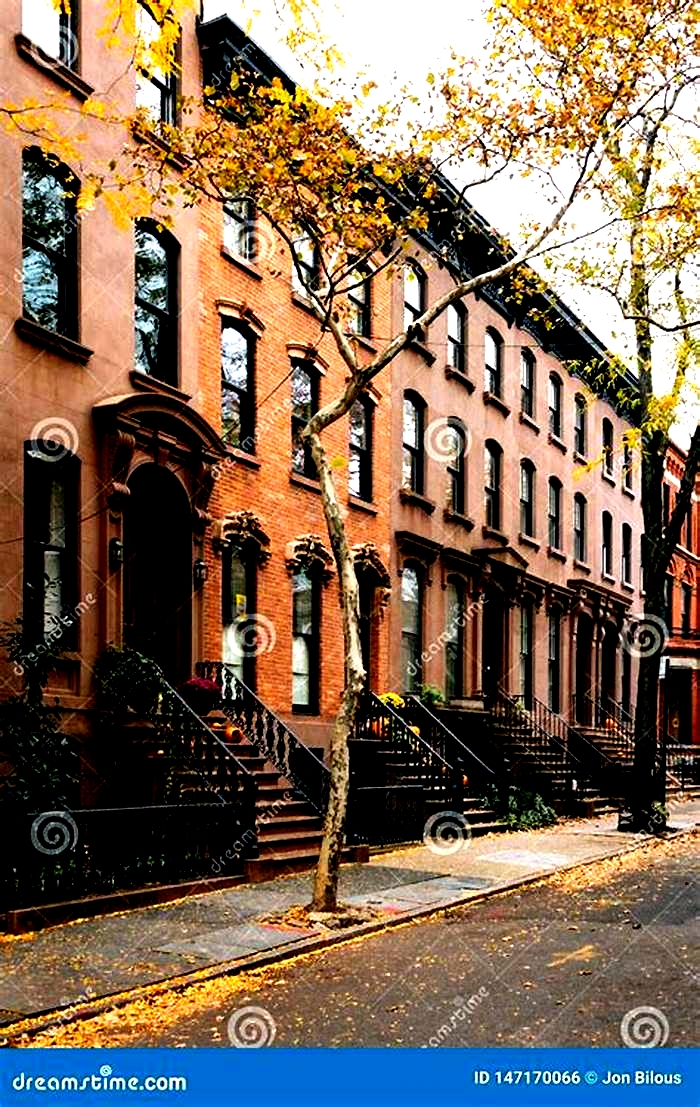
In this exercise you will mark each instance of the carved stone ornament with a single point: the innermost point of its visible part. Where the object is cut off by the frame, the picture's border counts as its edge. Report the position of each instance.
(308, 554)
(244, 531)
(118, 490)
(368, 561)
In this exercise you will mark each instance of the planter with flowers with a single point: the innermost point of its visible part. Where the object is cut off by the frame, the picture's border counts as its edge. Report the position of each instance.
(201, 695)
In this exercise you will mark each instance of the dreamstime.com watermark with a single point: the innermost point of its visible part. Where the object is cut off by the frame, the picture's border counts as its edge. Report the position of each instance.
(53, 832)
(251, 1028)
(447, 832)
(447, 634)
(643, 635)
(53, 636)
(644, 1028)
(102, 1081)
(464, 1008)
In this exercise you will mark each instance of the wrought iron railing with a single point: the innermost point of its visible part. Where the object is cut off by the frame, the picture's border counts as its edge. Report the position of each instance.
(449, 747)
(270, 735)
(442, 783)
(608, 716)
(525, 725)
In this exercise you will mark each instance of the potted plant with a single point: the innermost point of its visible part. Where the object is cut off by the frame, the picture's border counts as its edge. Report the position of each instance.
(201, 695)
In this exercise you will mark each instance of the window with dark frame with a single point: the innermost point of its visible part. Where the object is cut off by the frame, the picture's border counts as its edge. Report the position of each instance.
(627, 466)
(554, 513)
(527, 383)
(52, 29)
(49, 244)
(456, 337)
(493, 356)
(554, 660)
(156, 90)
(411, 628)
(306, 627)
(306, 265)
(608, 449)
(555, 406)
(527, 498)
(526, 654)
(360, 459)
(51, 492)
(455, 451)
(155, 312)
(240, 228)
(580, 537)
(454, 640)
(360, 300)
(237, 613)
(413, 463)
(237, 386)
(414, 289)
(492, 485)
(686, 609)
(580, 419)
(626, 553)
(305, 398)
(607, 544)
(668, 602)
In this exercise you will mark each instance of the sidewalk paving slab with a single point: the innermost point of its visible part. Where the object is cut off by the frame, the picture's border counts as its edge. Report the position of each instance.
(81, 961)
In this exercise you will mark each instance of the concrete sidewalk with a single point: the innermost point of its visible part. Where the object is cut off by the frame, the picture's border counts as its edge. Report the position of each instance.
(82, 961)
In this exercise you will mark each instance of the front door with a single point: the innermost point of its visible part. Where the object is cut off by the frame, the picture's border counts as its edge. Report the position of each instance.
(158, 570)
(492, 643)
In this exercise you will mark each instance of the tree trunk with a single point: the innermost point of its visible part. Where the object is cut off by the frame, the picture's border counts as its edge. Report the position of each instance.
(325, 894)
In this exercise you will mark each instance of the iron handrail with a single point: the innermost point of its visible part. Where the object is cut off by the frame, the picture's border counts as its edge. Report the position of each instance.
(459, 748)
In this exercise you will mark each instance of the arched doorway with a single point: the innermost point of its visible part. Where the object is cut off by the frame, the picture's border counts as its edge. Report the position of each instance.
(158, 570)
(584, 669)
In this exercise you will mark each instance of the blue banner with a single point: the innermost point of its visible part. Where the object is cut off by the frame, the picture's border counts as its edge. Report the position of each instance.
(325, 1078)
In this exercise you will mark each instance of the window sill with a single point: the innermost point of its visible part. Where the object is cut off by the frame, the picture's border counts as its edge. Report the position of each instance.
(497, 535)
(53, 68)
(628, 492)
(152, 384)
(305, 482)
(243, 457)
(528, 421)
(415, 499)
(627, 585)
(555, 440)
(608, 478)
(50, 340)
(362, 341)
(580, 459)
(558, 555)
(146, 134)
(582, 566)
(497, 402)
(303, 710)
(303, 303)
(528, 540)
(242, 263)
(421, 350)
(453, 374)
(459, 518)
(363, 505)
(607, 577)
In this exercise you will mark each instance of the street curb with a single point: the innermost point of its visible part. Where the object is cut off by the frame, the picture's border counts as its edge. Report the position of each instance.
(54, 1017)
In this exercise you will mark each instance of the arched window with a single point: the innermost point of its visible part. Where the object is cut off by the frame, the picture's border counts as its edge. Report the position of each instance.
(237, 398)
(156, 90)
(455, 450)
(527, 498)
(626, 553)
(49, 244)
(454, 639)
(414, 288)
(360, 300)
(608, 451)
(237, 607)
(360, 461)
(411, 628)
(554, 513)
(155, 312)
(555, 428)
(413, 465)
(306, 628)
(492, 484)
(527, 383)
(580, 444)
(580, 536)
(305, 392)
(493, 357)
(457, 337)
(607, 544)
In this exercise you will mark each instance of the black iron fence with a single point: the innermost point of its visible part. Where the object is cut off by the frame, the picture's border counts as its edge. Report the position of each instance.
(476, 774)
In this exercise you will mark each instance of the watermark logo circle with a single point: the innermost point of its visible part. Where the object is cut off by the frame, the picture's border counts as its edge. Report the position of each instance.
(255, 635)
(644, 1028)
(67, 51)
(54, 438)
(105, 1070)
(644, 636)
(446, 832)
(251, 1028)
(54, 832)
(442, 440)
